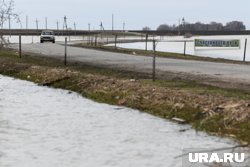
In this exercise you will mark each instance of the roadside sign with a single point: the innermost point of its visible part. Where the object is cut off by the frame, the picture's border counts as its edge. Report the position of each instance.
(208, 43)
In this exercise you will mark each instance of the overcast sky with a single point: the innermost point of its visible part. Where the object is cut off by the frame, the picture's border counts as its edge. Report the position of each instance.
(135, 13)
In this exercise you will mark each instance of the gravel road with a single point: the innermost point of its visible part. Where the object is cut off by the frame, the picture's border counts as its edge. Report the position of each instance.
(223, 71)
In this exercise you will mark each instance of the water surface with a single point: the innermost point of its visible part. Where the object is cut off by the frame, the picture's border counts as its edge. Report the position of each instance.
(44, 127)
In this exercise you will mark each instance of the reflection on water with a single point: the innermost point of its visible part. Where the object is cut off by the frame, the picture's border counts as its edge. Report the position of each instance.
(43, 127)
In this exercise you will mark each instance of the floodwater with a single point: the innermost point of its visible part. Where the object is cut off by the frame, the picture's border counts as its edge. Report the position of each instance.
(44, 127)
(166, 44)
(175, 45)
(36, 39)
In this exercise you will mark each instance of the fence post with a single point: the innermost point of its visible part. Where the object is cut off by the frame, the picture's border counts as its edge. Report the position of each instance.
(115, 41)
(65, 52)
(91, 40)
(95, 40)
(185, 45)
(146, 47)
(20, 46)
(245, 50)
(154, 57)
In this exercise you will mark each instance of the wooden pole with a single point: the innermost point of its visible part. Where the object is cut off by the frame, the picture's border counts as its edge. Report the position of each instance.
(92, 43)
(245, 50)
(115, 41)
(20, 46)
(65, 53)
(146, 45)
(112, 23)
(185, 46)
(89, 34)
(95, 40)
(154, 57)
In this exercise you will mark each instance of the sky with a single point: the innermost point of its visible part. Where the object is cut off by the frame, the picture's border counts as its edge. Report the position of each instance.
(135, 13)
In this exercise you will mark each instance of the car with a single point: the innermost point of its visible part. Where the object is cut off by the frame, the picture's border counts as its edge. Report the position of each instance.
(47, 36)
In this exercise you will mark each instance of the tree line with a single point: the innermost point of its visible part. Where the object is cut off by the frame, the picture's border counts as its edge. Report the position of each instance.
(198, 26)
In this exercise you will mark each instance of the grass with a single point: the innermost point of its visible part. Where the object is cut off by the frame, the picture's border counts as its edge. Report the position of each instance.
(164, 98)
(201, 88)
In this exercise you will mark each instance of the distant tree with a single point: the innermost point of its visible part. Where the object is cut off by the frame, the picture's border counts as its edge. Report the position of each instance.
(214, 26)
(235, 26)
(146, 28)
(198, 26)
(6, 13)
(164, 27)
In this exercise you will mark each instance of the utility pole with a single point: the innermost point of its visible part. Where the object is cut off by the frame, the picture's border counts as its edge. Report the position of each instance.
(89, 27)
(46, 23)
(57, 25)
(123, 26)
(89, 32)
(37, 24)
(183, 23)
(101, 26)
(20, 22)
(26, 22)
(179, 28)
(75, 27)
(65, 23)
(112, 22)
(65, 26)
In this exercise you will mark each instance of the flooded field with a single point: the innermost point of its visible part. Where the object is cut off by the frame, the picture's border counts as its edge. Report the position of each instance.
(46, 127)
(36, 39)
(166, 45)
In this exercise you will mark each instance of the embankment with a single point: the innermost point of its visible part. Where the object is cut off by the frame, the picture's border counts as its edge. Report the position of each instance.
(224, 112)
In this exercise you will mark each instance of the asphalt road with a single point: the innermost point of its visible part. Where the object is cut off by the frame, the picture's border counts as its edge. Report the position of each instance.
(229, 72)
